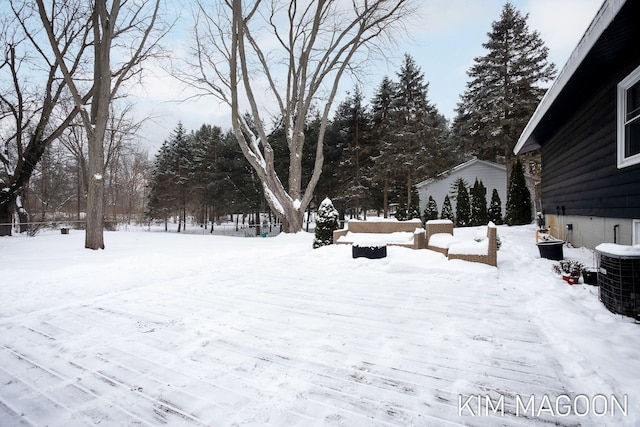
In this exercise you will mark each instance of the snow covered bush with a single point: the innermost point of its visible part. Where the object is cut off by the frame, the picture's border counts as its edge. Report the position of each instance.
(326, 222)
(495, 208)
(447, 209)
(431, 211)
(570, 267)
(463, 204)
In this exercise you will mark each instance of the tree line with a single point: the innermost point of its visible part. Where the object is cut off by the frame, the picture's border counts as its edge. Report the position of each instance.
(54, 87)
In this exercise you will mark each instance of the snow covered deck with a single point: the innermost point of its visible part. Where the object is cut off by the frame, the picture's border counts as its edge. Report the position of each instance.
(178, 330)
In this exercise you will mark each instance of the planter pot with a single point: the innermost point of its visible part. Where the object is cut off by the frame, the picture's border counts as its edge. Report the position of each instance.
(371, 252)
(590, 276)
(551, 249)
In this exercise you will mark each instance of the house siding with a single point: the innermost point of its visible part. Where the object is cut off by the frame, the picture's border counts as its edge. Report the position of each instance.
(579, 165)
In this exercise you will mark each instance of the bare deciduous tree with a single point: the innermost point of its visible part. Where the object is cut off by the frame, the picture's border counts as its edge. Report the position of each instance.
(30, 95)
(131, 23)
(295, 53)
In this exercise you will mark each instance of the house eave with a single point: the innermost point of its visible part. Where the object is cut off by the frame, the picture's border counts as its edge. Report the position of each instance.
(606, 14)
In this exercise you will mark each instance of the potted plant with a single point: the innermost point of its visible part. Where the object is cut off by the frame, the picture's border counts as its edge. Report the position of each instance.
(569, 270)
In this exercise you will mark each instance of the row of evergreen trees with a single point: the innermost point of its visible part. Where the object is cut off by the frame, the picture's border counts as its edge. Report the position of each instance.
(201, 174)
(471, 206)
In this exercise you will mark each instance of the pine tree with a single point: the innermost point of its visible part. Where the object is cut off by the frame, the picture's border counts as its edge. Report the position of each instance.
(326, 223)
(519, 210)
(495, 208)
(351, 131)
(463, 205)
(161, 197)
(172, 177)
(447, 209)
(431, 211)
(478, 204)
(384, 168)
(505, 88)
(413, 118)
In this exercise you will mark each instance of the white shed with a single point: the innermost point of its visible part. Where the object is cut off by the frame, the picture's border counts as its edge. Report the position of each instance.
(492, 175)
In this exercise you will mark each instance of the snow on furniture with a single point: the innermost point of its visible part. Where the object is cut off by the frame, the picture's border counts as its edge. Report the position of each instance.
(440, 235)
(440, 239)
(379, 231)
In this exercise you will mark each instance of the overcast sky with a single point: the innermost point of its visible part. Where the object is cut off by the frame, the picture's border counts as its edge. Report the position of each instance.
(446, 37)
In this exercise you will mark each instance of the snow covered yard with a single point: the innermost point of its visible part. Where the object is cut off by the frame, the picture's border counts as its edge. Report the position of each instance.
(207, 330)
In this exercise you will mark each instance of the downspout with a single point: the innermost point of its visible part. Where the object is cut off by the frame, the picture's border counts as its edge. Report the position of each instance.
(615, 233)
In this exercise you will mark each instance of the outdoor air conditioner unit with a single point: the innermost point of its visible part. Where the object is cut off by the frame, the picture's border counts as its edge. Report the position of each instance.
(619, 279)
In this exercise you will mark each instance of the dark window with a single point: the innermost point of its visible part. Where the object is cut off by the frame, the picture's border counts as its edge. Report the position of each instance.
(632, 121)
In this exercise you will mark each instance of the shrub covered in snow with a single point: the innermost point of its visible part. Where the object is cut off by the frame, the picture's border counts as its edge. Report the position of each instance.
(495, 208)
(463, 204)
(570, 267)
(326, 222)
(431, 211)
(447, 209)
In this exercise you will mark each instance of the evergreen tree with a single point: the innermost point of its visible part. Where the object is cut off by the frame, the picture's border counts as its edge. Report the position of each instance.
(402, 213)
(478, 204)
(414, 122)
(235, 187)
(519, 210)
(326, 223)
(463, 205)
(172, 178)
(351, 130)
(447, 209)
(495, 208)
(383, 132)
(431, 211)
(161, 197)
(504, 89)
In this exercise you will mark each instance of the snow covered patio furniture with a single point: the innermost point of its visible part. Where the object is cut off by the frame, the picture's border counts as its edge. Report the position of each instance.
(382, 231)
(440, 238)
(440, 235)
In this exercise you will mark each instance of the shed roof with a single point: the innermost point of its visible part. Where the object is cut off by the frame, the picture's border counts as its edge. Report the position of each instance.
(461, 166)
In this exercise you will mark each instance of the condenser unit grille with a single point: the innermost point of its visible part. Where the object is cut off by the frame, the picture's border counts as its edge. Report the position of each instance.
(619, 282)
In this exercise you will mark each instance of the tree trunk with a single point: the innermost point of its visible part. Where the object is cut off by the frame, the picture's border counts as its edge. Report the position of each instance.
(94, 235)
(6, 216)
(385, 197)
(292, 220)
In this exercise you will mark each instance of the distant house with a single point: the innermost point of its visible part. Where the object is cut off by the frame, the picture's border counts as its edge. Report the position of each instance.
(492, 175)
(588, 129)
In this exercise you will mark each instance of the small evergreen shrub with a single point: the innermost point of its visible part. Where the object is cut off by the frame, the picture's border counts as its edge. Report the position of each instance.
(431, 211)
(447, 209)
(478, 204)
(463, 205)
(518, 198)
(326, 223)
(495, 208)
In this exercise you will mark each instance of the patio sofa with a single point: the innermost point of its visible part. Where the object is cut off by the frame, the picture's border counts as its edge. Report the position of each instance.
(391, 232)
(440, 238)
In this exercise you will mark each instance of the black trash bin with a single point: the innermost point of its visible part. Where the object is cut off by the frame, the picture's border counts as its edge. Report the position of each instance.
(551, 249)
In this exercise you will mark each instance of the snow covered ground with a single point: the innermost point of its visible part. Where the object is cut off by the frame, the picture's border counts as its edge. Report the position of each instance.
(162, 328)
